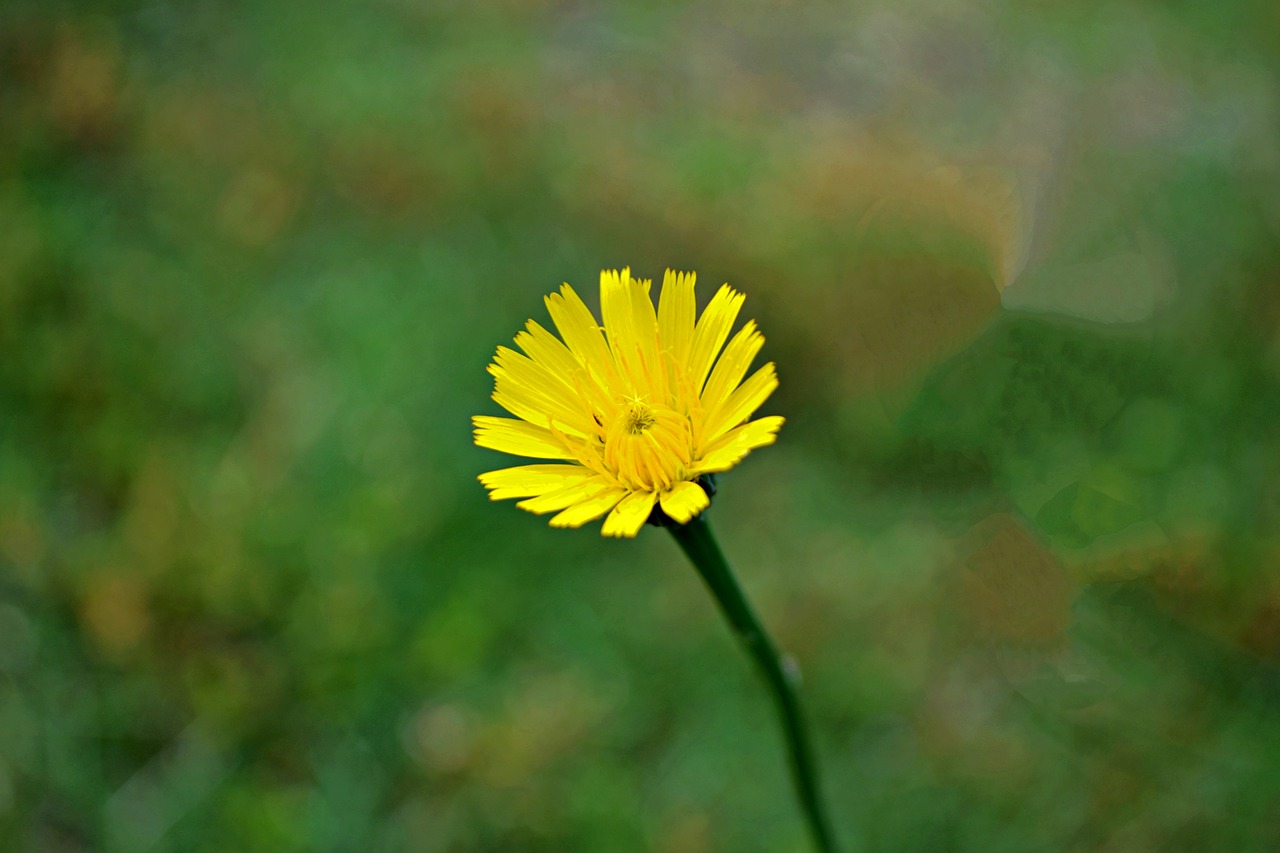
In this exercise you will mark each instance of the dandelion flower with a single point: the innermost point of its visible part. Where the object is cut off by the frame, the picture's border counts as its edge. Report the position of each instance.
(634, 411)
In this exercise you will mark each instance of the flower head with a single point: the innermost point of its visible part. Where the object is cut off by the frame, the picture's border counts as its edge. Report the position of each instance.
(634, 415)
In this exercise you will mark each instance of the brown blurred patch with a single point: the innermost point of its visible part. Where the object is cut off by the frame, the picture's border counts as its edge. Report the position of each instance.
(495, 112)
(256, 206)
(686, 834)
(1234, 599)
(1012, 588)
(22, 542)
(548, 717)
(222, 162)
(962, 723)
(888, 258)
(1138, 551)
(441, 738)
(199, 126)
(1180, 568)
(228, 684)
(880, 183)
(1119, 788)
(377, 172)
(83, 87)
(151, 529)
(114, 612)
(900, 314)
(1261, 634)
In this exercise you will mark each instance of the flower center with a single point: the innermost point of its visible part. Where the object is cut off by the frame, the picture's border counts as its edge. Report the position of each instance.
(637, 418)
(648, 447)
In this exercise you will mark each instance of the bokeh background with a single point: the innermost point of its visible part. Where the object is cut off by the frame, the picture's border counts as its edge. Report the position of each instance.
(1018, 264)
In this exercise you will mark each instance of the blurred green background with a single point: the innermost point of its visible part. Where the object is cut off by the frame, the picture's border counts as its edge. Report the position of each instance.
(1018, 264)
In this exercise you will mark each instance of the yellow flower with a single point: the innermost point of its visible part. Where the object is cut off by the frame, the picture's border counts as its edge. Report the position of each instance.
(636, 414)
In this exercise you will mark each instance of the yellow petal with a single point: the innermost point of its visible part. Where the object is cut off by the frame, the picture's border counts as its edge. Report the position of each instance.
(645, 327)
(615, 309)
(631, 327)
(548, 350)
(573, 493)
(741, 403)
(581, 332)
(526, 481)
(629, 516)
(737, 443)
(677, 310)
(534, 409)
(535, 394)
(684, 501)
(530, 373)
(731, 367)
(589, 510)
(712, 330)
(518, 438)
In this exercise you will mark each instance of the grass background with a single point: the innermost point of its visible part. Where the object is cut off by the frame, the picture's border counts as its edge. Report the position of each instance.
(1018, 265)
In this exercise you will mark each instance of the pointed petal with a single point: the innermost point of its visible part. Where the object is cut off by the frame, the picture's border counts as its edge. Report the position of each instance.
(518, 438)
(581, 332)
(737, 443)
(571, 494)
(615, 310)
(547, 350)
(712, 330)
(525, 481)
(749, 396)
(629, 516)
(538, 410)
(731, 367)
(645, 326)
(631, 327)
(684, 501)
(590, 509)
(531, 392)
(677, 310)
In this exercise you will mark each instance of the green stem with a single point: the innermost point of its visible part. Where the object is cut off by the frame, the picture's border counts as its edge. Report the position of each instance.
(697, 542)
